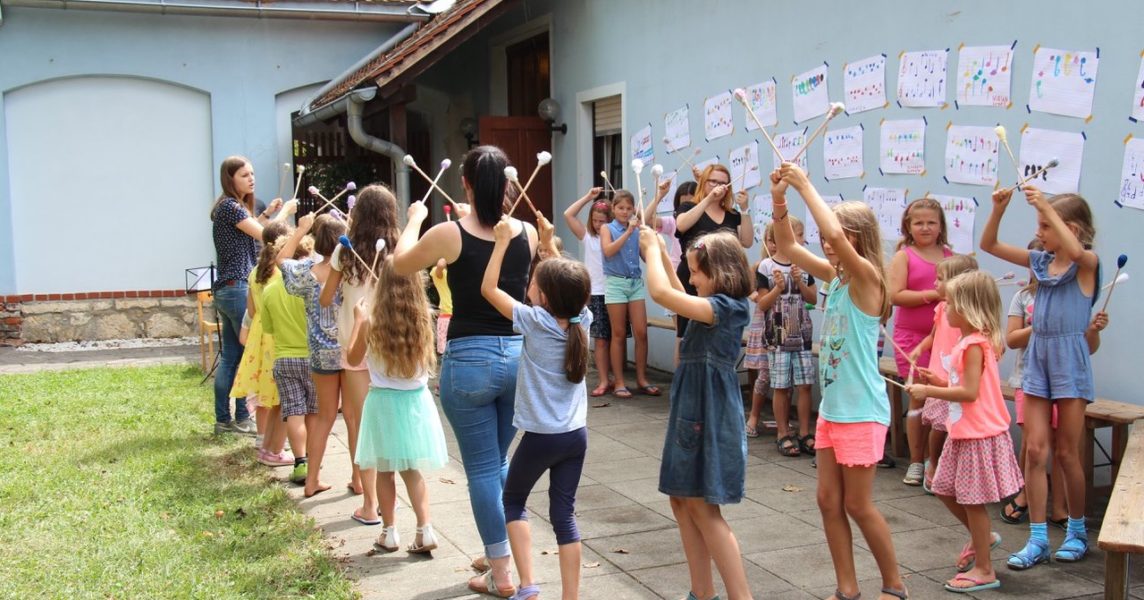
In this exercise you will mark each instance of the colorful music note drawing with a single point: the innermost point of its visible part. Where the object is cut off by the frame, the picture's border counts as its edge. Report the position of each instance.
(789, 144)
(921, 78)
(717, 116)
(1039, 146)
(745, 171)
(1138, 95)
(1064, 82)
(888, 204)
(984, 75)
(762, 209)
(902, 148)
(810, 94)
(810, 227)
(864, 83)
(762, 99)
(642, 147)
(971, 155)
(842, 153)
(677, 128)
(1132, 174)
(960, 214)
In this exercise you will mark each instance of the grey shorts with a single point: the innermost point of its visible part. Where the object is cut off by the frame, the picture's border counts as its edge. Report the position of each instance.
(296, 392)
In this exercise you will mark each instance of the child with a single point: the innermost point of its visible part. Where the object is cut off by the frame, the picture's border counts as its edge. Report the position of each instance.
(304, 278)
(855, 413)
(938, 345)
(624, 292)
(705, 450)
(665, 224)
(1057, 368)
(784, 290)
(755, 353)
(372, 218)
(601, 330)
(977, 465)
(439, 275)
(551, 402)
(401, 431)
(911, 282)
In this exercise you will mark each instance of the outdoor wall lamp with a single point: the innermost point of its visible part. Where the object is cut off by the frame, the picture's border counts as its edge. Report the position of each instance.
(549, 110)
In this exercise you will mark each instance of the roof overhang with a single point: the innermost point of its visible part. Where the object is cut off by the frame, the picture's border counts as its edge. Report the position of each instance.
(401, 11)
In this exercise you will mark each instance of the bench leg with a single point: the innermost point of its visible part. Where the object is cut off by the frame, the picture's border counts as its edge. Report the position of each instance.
(897, 422)
(1115, 575)
(1087, 464)
(1119, 443)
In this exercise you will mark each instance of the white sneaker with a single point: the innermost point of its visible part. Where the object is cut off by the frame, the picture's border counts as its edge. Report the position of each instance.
(245, 427)
(914, 474)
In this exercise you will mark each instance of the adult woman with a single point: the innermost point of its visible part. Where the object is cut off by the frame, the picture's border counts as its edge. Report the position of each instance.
(478, 373)
(236, 237)
(713, 213)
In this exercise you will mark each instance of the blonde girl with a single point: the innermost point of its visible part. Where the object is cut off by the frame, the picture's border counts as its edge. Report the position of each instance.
(855, 413)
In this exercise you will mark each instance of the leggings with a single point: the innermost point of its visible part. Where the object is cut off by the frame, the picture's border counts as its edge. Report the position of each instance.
(562, 454)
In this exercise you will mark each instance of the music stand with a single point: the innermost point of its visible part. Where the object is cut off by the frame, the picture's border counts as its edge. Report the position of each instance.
(201, 279)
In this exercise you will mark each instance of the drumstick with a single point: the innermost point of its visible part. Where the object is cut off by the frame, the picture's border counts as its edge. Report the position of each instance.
(1004, 137)
(1052, 163)
(741, 95)
(409, 161)
(542, 158)
(897, 347)
(836, 108)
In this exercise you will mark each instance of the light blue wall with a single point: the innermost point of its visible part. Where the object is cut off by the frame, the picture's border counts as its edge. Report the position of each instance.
(242, 63)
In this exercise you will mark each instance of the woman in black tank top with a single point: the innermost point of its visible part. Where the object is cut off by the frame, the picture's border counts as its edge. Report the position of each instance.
(478, 373)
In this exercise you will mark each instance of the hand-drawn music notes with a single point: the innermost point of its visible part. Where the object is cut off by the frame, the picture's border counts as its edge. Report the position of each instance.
(971, 155)
(745, 171)
(810, 226)
(717, 116)
(888, 204)
(902, 148)
(1138, 95)
(1064, 82)
(960, 213)
(667, 204)
(810, 95)
(864, 84)
(790, 143)
(1039, 146)
(762, 99)
(921, 78)
(641, 145)
(1132, 175)
(762, 209)
(984, 75)
(842, 153)
(677, 128)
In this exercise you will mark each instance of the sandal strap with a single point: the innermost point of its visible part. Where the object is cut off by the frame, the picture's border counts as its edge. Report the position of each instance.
(840, 596)
(528, 591)
(903, 594)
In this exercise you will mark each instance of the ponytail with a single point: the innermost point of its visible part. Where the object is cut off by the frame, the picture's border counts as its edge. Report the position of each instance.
(566, 286)
(266, 257)
(576, 352)
(483, 167)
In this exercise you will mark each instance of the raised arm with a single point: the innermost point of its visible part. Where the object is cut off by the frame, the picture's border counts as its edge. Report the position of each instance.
(660, 287)
(784, 235)
(546, 234)
(291, 245)
(746, 229)
(687, 220)
(1071, 247)
(989, 242)
(497, 297)
(649, 211)
(572, 213)
(413, 254)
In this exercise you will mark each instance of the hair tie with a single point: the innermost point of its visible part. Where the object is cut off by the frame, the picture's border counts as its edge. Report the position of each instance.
(600, 206)
(574, 320)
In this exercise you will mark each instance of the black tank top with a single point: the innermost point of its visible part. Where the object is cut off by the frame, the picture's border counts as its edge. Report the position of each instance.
(472, 314)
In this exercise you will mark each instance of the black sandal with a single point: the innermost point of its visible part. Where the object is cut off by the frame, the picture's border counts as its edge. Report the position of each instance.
(788, 445)
(902, 594)
(806, 444)
(1013, 513)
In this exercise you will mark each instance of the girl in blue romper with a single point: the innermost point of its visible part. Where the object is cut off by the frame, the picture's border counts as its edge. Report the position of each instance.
(1057, 367)
(705, 450)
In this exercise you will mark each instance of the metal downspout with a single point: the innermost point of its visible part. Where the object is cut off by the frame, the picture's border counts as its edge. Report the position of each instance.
(354, 110)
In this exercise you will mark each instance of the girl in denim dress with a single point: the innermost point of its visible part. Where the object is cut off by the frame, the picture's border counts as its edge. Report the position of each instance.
(705, 450)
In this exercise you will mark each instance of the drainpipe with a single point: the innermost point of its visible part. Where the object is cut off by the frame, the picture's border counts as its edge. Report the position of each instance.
(354, 110)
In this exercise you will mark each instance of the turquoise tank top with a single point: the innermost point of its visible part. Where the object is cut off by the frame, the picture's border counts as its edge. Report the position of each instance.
(852, 388)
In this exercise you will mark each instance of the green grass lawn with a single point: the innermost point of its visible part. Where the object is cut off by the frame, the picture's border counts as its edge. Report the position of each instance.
(111, 486)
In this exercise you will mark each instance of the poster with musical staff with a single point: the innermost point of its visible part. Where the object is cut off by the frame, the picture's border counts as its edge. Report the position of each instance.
(642, 147)
(984, 75)
(922, 77)
(1064, 82)
(810, 227)
(761, 96)
(960, 213)
(902, 147)
(745, 171)
(1039, 146)
(762, 210)
(1132, 174)
(717, 119)
(1138, 96)
(888, 204)
(677, 129)
(842, 153)
(864, 84)
(789, 144)
(810, 96)
(667, 204)
(971, 155)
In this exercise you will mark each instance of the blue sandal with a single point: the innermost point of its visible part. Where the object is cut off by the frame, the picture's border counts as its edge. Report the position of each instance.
(1033, 554)
(1073, 549)
(528, 591)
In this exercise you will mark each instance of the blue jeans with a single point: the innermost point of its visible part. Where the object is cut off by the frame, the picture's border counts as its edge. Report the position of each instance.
(230, 302)
(478, 389)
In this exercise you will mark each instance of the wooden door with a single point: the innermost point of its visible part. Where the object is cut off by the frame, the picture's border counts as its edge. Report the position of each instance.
(522, 138)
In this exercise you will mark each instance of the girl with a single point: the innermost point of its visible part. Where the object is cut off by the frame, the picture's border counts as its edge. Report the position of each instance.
(624, 292)
(373, 218)
(912, 290)
(551, 403)
(665, 224)
(401, 431)
(1057, 368)
(705, 450)
(977, 465)
(855, 412)
(601, 331)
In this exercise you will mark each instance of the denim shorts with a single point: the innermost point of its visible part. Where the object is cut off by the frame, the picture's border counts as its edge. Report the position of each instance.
(621, 290)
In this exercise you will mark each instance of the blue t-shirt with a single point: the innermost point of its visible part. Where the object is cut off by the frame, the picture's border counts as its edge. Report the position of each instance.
(321, 322)
(626, 262)
(546, 402)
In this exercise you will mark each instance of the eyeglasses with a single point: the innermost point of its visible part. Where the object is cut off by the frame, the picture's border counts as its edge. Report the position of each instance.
(713, 182)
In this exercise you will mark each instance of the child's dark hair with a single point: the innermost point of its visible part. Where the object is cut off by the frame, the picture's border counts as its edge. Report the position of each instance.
(687, 188)
(483, 167)
(374, 217)
(566, 287)
(923, 204)
(1074, 210)
(720, 257)
(326, 231)
(230, 165)
(268, 254)
(621, 195)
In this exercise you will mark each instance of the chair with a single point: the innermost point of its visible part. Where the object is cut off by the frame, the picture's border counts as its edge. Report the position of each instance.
(207, 330)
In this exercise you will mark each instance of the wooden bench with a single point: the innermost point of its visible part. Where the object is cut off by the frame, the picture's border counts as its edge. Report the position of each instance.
(1118, 416)
(1122, 532)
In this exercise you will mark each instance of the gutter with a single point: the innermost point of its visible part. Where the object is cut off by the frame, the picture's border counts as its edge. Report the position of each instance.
(354, 107)
(284, 9)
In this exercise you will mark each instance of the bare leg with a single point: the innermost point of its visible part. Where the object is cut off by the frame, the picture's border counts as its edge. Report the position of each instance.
(839, 538)
(368, 510)
(695, 549)
(756, 409)
(520, 540)
(780, 403)
(803, 410)
(602, 363)
(570, 555)
(386, 497)
(1066, 453)
(722, 545)
(418, 497)
(319, 433)
(982, 539)
(638, 311)
(936, 442)
(1038, 434)
(914, 434)
(295, 428)
(355, 386)
(275, 438)
(261, 419)
(859, 500)
(618, 315)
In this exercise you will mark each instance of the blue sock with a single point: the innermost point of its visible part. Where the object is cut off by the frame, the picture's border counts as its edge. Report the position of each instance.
(1077, 527)
(1039, 532)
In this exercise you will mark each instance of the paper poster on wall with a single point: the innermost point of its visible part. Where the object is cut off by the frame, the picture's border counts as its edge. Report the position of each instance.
(789, 143)
(864, 84)
(971, 155)
(1039, 146)
(762, 209)
(1132, 174)
(641, 146)
(810, 227)
(922, 77)
(902, 146)
(842, 153)
(888, 204)
(677, 129)
(959, 217)
(810, 95)
(703, 164)
(745, 171)
(761, 96)
(984, 75)
(1064, 82)
(667, 204)
(1138, 96)
(717, 117)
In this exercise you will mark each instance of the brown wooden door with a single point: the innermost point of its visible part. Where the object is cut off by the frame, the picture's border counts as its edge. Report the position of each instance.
(522, 138)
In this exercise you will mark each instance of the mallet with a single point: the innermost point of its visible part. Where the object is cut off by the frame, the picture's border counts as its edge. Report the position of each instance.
(1006, 277)
(512, 175)
(836, 108)
(656, 173)
(345, 243)
(905, 354)
(448, 210)
(445, 164)
(608, 182)
(350, 187)
(1120, 262)
(542, 158)
(1052, 164)
(410, 162)
(741, 95)
(301, 169)
(637, 167)
(1121, 278)
(378, 246)
(1004, 137)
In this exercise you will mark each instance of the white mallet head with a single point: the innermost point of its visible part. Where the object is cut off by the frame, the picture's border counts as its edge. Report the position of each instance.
(313, 190)
(446, 163)
(543, 157)
(351, 186)
(1000, 131)
(408, 160)
(285, 166)
(604, 174)
(740, 94)
(511, 173)
(637, 166)
(380, 245)
(837, 108)
(300, 169)
(657, 170)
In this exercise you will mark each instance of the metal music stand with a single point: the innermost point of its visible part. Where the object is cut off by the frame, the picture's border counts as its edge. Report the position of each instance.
(201, 279)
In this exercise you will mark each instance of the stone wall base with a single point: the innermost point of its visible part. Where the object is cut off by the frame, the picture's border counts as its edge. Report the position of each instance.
(49, 321)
